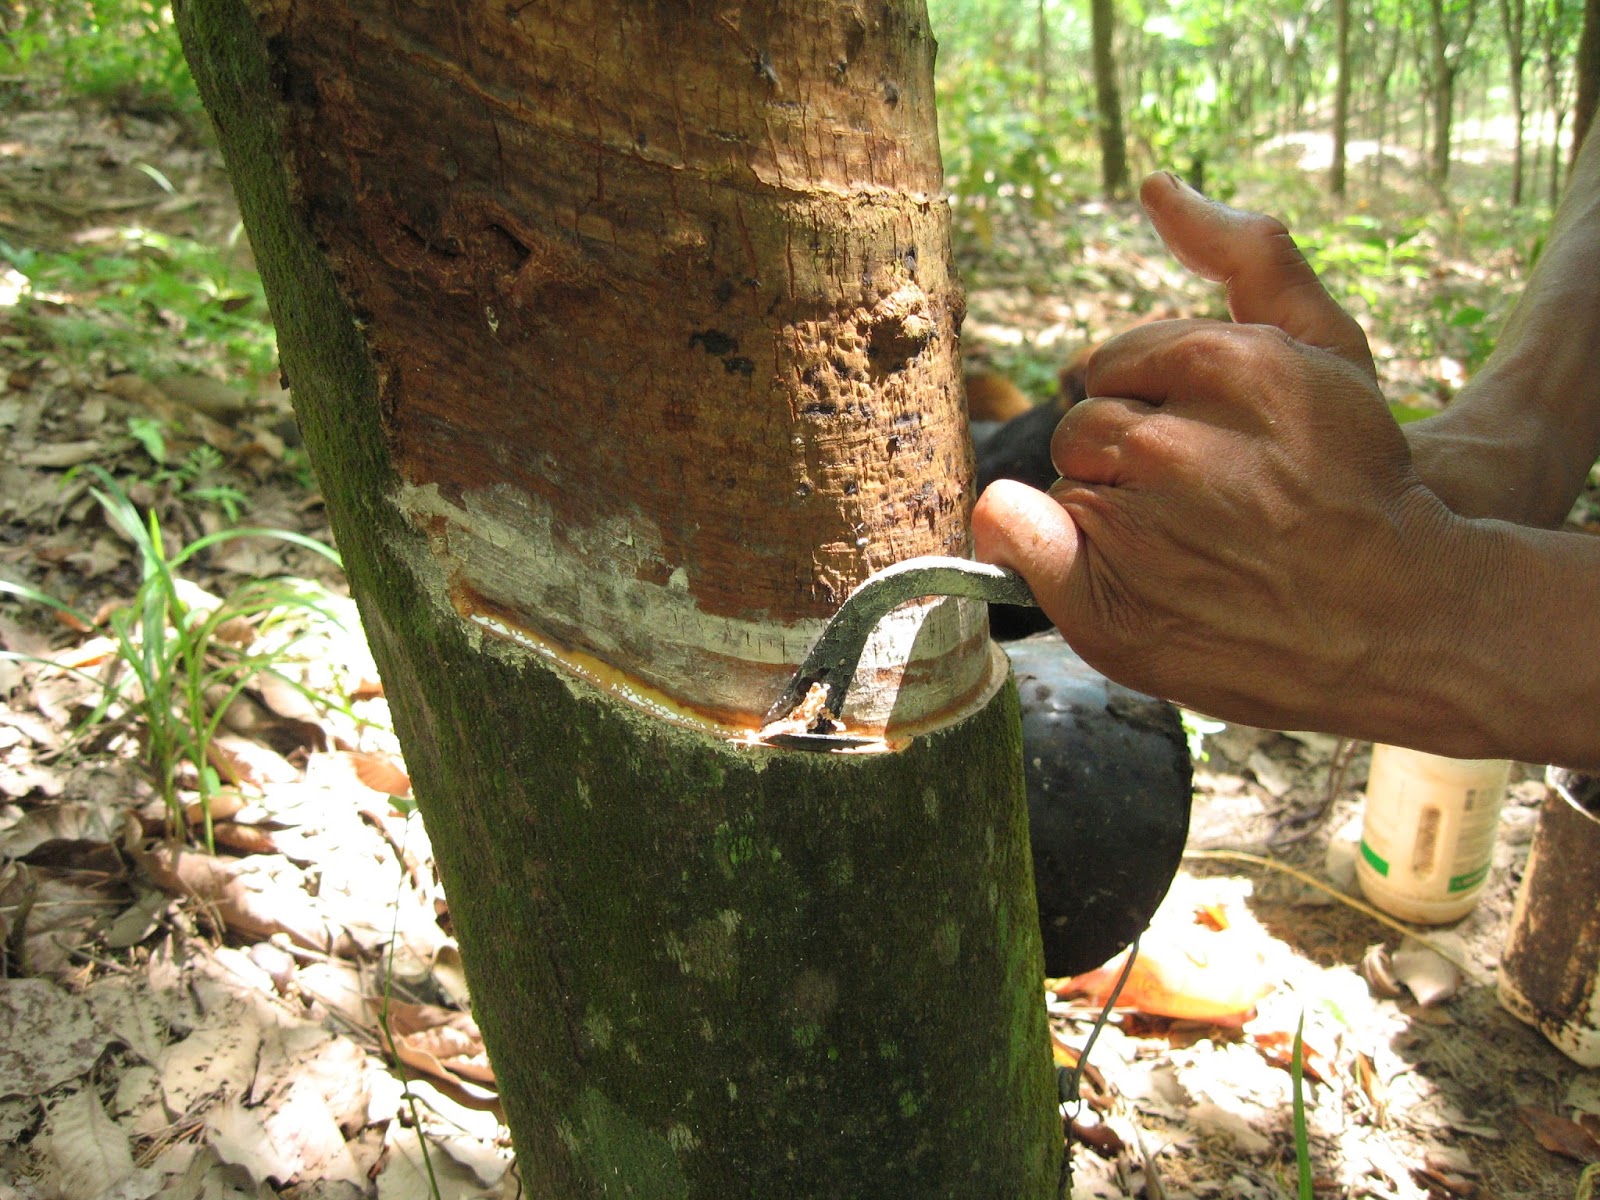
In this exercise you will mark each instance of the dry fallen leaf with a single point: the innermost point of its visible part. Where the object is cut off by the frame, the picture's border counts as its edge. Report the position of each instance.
(380, 773)
(257, 896)
(1213, 915)
(1371, 1085)
(1559, 1135)
(64, 911)
(50, 1037)
(244, 760)
(440, 1042)
(243, 839)
(1277, 1047)
(283, 698)
(89, 1152)
(1098, 1136)
(1440, 1184)
(1431, 976)
(1203, 975)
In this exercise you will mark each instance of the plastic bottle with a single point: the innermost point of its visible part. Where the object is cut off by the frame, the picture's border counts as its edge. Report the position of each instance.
(1427, 836)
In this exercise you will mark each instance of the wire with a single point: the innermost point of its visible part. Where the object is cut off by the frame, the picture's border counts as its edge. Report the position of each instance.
(1069, 1079)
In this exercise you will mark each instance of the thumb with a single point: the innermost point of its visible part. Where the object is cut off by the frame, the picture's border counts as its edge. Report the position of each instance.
(1020, 527)
(1268, 280)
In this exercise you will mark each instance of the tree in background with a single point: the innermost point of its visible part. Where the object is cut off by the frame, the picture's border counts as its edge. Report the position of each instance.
(1043, 67)
(1513, 22)
(1588, 74)
(1341, 106)
(1114, 179)
(1450, 24)
(624, 342)
(1555, 29)
(1205, 83)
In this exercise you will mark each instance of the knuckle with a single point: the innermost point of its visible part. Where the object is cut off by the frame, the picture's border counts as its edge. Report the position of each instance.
(1152, 441)
(1268, 227)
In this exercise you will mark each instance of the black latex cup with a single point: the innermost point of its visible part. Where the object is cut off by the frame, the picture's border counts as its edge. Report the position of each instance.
(1109, 784)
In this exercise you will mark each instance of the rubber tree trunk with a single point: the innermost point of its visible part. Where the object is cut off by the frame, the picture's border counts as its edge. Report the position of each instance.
(624, 343)
(1108, 99)
(1588, 72)
(1513, 20)
(1341, 98)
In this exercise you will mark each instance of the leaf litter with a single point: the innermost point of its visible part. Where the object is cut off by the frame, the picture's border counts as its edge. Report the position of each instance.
(289, 1016)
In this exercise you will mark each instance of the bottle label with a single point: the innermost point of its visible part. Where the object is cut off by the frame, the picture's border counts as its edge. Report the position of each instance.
(1374, 859)
(1464, 883)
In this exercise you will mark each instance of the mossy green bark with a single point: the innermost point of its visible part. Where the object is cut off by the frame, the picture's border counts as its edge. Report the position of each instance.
(701, 970)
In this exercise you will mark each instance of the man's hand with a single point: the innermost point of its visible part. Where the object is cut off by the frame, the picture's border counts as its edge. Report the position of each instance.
(1238, 525)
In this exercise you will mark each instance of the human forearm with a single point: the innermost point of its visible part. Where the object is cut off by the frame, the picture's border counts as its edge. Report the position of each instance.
(1519, 439)
(1239, 525)
(1494, 655)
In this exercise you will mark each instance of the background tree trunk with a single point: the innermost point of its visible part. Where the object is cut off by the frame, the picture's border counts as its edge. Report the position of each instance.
(1341, 99)
(624, 343)
(1552, 31)
(1108, 100)
(1441, 93)
(1513, 20)
(1588, 75)
(1042, 60)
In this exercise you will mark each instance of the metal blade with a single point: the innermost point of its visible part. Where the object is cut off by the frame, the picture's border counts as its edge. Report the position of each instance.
(837, 653)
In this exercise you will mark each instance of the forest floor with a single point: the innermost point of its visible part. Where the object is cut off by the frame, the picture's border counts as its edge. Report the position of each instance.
(288, 1017)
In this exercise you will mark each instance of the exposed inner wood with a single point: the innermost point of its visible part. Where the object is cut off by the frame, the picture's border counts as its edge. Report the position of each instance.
(669, 349)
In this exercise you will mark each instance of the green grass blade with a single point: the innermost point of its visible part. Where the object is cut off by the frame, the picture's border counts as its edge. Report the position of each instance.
(282, 535)
(23, 592)
(1302, 1138)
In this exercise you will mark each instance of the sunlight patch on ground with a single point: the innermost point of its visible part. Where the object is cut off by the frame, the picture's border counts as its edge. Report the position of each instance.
(1315, 149)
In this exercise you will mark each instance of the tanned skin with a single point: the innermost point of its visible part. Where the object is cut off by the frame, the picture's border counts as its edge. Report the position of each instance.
(1242, 527)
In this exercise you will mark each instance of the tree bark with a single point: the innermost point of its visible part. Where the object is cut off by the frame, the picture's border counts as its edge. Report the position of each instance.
(624, 343)
(1114, 180)
(1341, 100)
(1513, 20)
(1442, 92)
(1588, 77)
(1042, 61)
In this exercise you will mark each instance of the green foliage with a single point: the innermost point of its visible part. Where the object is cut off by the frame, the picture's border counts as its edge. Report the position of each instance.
(143, 302)
(196, 477)
(1356, 255)
(181, 660)
(1015, 125)
(121, 52)
(1302, 1139)
(1387, 273)
(1404, 414)
(1195, 729)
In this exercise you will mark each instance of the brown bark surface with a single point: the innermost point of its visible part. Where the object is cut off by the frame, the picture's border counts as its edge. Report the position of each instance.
(702, 969)
(1108, 99)
(660, 300)
(1588, 76)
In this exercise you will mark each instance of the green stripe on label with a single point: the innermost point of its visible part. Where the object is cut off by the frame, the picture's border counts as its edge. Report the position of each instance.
(1461, 883)
(1380, 865)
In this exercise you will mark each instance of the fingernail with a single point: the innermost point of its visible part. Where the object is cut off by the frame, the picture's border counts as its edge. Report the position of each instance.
(1183, 184)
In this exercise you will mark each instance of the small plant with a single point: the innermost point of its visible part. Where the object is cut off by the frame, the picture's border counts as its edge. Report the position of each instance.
(147, 299)
(125, 52)
(1302, 1138)
(1350, 257)
(1195, 729)
(195, 477)
(180, 662)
